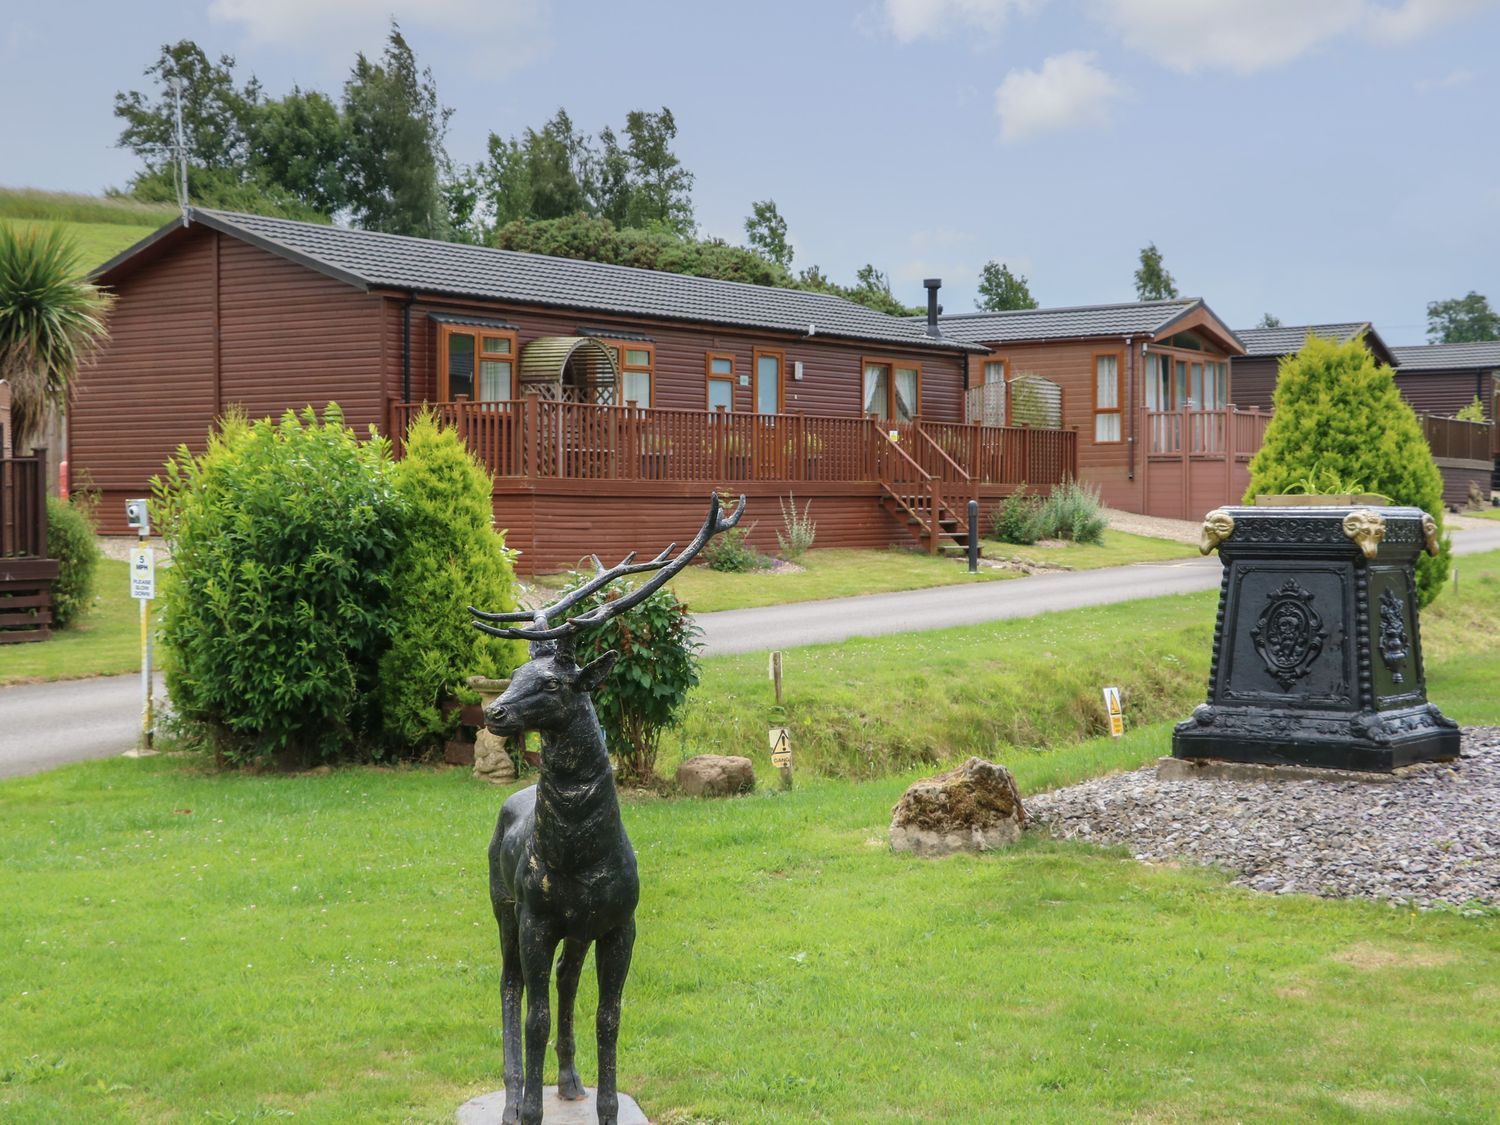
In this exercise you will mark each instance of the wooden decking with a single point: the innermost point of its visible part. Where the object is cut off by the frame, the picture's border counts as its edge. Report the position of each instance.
(26, 573)
(622, 471)
(1198, 460)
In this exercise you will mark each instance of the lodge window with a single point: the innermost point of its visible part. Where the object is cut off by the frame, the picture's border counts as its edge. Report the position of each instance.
(769, 371)
(477, 364)
(719, 371)
(1107, 397)
(1179, 384)
(892, 390)
(636, 361)
(993, 371)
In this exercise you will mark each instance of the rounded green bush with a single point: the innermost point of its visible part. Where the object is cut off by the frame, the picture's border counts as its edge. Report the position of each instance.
(1339, 417)
(71, 541)
(274, 610)
(448, 556)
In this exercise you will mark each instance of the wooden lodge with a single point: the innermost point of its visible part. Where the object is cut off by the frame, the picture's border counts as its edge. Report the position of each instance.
(1145, 384)
(607, 401)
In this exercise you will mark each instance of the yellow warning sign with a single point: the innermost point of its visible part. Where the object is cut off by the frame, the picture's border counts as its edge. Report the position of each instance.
(781, 747)
(1116, 713)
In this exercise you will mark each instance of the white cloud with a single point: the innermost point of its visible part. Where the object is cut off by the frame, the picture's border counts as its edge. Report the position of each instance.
(1245, 36)
(1069, 92)
(1454, 78)
(1411, 18)
(503, 34)
(910, 20)
(1238, 35)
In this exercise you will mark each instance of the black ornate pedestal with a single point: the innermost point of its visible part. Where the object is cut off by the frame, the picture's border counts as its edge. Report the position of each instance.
(1317, 655)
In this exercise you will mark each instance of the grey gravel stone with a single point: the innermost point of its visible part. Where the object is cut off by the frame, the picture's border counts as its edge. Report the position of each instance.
(1428, 839)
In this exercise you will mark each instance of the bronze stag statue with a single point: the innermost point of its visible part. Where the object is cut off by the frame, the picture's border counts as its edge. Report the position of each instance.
(561, 867)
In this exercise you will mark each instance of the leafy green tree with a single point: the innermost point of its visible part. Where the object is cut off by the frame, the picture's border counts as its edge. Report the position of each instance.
(301, 146)
(999, 289)
(226, 190)
(396, 157)
(1339, 416)
(448, 556)
(596, 240)
(52, 322)
(872, 288)
(605, 176)
(274, 622)
(765, 231)
(1462, 320)
(1152, 281)
(1269, 320)
(216, 113)
(661, 192)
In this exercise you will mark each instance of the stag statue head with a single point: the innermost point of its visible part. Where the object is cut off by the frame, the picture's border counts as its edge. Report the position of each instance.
(545, 692)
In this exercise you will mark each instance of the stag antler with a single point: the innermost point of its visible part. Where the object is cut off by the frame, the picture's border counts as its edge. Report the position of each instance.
(663, 564)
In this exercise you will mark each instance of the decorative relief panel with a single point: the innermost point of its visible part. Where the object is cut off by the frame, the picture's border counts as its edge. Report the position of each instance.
(1290, 634)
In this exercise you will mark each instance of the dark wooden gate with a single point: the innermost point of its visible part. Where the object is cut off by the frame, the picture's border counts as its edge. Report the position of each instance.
(26, 573)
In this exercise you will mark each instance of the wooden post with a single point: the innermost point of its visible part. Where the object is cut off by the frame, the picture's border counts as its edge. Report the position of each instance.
(783, 766)
(39, 511)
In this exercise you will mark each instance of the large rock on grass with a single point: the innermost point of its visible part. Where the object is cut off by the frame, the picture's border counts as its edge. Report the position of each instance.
(969, 809)
(716, 775)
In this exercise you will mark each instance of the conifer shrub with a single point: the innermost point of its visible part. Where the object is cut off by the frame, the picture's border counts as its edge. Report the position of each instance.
(448, 556)
(1339, 416)
(274, 610)
(70, 540)
(644, 694)
(1474, 412)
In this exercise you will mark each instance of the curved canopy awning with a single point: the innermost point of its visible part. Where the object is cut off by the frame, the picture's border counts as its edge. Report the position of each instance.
(581, 365)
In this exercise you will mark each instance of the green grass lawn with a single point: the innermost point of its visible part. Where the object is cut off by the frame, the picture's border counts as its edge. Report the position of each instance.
(1486, 514)
(102, 226)
(841, 572)
(179, 945)
(105, 641)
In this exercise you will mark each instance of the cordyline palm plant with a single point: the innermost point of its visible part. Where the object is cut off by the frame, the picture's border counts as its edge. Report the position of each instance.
(51, 324)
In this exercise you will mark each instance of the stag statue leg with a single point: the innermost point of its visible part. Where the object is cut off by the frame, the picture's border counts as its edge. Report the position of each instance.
(510, 1007)
(538, 948)
(569, 1087)
(612, 958)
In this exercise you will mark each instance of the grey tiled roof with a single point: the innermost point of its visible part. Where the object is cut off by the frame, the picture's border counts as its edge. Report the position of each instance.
(374, 260)
(1133, 318)
(1447, 357)
(1285, 340)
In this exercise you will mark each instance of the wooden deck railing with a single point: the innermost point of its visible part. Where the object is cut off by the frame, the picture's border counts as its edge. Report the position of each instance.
(541, 438)
(1205, 433)
(23, 506)
(1459, 441)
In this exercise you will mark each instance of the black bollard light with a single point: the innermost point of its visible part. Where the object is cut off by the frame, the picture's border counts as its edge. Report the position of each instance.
(973, 536)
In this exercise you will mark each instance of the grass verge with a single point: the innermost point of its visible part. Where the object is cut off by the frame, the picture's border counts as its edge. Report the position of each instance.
(871, 706)
(105, 641)
(837, 572)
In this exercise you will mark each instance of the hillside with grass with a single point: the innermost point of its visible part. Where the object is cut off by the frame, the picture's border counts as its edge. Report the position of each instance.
(103, 226)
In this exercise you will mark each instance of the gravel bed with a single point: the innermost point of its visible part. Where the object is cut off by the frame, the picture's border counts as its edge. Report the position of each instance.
(1429, 838)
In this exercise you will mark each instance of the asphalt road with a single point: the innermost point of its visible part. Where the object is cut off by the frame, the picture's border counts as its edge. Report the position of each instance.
(46, 725)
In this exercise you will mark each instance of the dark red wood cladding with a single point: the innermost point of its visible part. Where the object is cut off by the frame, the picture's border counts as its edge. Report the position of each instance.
(832, 370)
(205, 322)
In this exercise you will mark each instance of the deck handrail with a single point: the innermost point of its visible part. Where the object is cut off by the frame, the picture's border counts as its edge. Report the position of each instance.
(539, 438)
(1459, 439)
